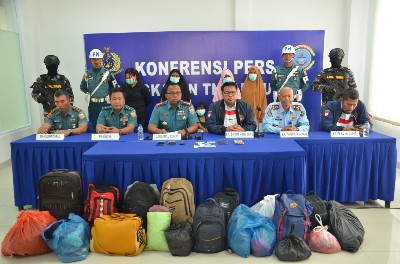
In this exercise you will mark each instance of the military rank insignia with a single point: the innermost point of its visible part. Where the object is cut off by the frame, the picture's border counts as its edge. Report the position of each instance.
(274, 107)
(297, 107)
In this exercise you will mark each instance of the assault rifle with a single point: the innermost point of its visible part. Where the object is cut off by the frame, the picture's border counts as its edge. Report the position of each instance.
(337, 86)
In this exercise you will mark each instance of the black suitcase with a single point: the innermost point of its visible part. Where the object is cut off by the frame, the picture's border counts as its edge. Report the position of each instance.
(60, 192)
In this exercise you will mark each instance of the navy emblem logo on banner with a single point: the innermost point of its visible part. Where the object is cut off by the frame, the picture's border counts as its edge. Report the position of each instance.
(304, 56)
(112, 61)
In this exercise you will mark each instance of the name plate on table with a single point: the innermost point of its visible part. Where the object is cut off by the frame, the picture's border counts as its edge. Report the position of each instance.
(169, 136)
(340, 134)
(294, 134)
(50, 137)
(244, 134)
(108, 136)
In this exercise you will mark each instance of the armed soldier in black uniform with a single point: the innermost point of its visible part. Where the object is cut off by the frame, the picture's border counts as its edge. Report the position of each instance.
(48, 84)
(332, 82)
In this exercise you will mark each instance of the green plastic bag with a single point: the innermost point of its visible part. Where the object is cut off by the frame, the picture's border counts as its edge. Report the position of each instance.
(157, 223)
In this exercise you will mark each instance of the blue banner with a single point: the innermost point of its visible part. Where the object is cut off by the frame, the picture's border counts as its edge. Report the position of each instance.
(201, 56)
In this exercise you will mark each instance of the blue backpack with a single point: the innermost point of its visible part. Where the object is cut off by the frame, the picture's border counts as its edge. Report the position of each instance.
(292, 209)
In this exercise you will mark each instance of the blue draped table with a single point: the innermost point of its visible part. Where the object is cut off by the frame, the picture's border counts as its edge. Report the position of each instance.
(351, 169)
(32, 159)
(342, 169)
(346, 169)
(255, 169)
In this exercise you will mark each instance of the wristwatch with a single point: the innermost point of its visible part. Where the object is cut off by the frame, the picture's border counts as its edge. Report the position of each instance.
(186, 131)
(70, 132)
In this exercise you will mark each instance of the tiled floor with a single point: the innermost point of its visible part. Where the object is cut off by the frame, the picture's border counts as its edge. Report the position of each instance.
(381, 241)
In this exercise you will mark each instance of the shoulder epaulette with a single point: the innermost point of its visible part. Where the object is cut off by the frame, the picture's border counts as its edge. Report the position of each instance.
(186, 103)
(51, 112)
(297, 106)
(77, 109)
(160, 104)
(129, 108)
(274, 106)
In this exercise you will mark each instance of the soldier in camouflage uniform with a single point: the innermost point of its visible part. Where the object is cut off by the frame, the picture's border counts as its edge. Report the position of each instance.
(47, 85)
(332, 82)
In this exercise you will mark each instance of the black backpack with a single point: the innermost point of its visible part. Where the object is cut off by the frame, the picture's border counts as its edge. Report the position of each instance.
(209, 228)
(139, 197)
(228, 199)
(319, 207)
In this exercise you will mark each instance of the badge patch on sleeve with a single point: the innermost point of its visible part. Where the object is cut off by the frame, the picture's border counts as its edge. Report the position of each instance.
(209, 113)
(327, 112)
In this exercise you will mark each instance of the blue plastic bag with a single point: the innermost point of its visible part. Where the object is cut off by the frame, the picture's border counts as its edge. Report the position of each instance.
(246, 225)
(68, 238)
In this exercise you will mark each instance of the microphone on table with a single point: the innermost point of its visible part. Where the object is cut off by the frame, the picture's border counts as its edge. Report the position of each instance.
(187, 135)
(257, 133)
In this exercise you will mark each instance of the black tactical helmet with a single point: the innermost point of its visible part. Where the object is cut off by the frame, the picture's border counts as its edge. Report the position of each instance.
(51, 60)
(336, 53)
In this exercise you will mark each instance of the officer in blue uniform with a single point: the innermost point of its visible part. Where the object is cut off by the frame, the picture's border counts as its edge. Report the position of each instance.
(285, 115)
(117, 118)
(96, 83)
(173, 114)
(64, 119)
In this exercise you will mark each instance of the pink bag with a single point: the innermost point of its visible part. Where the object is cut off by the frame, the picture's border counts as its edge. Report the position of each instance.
(321, 240)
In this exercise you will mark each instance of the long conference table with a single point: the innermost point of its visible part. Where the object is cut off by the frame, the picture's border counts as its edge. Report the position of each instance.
(341, 169)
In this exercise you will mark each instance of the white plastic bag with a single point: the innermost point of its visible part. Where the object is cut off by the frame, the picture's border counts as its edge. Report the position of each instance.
(265, 207)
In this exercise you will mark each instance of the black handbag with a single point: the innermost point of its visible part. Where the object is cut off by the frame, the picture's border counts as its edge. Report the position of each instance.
(180, 239)
(292, 248)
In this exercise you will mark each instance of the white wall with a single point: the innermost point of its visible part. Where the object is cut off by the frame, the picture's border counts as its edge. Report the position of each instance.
(57, 27)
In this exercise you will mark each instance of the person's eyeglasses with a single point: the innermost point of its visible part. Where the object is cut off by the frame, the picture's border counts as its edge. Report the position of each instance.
(229, 93)
(174, 94)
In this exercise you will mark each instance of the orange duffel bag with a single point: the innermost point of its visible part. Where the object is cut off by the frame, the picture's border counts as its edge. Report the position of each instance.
(118, 234)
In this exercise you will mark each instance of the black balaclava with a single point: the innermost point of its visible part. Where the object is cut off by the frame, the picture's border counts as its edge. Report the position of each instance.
(336, 56)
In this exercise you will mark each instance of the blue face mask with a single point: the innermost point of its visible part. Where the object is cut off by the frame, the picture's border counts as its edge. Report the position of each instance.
(174, 79)
(129, 81)
(228, 79)
(253, 76)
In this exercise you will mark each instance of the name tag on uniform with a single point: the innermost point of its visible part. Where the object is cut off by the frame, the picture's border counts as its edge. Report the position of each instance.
(294, 134)
(107, 136)
(168, 136)
(50, 136)
(339, 134)
(244, 134)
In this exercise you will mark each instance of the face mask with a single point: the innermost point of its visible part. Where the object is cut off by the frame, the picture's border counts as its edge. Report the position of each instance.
(174, 79)
(129, 81)
(201, 112)
(228, 79)
(253, 76)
